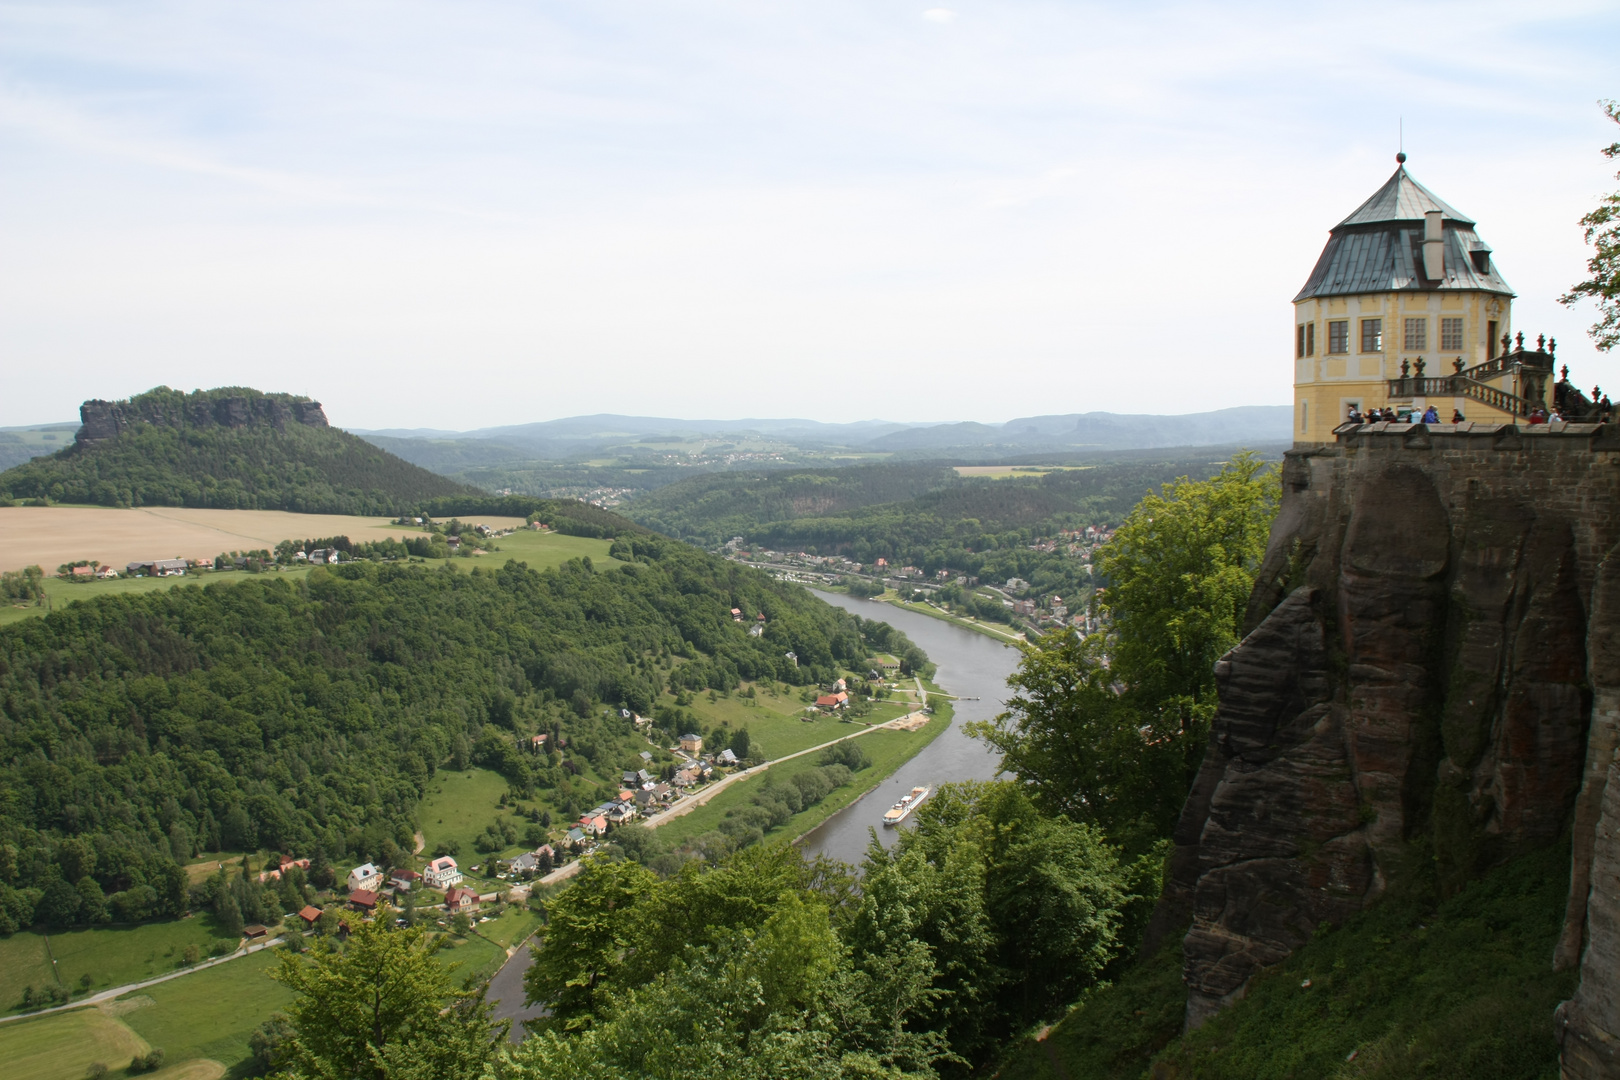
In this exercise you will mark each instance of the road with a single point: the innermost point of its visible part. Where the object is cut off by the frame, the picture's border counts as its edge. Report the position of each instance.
(120, 991)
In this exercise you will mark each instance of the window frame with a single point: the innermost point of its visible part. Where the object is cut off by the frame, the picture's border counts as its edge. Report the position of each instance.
(1338, 334)
(1310, 338)
(1376, 335)
(1448, 324)
(1415, 333)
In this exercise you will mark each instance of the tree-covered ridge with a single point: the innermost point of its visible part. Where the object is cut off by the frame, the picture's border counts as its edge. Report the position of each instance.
(232, 449)
(313, 714)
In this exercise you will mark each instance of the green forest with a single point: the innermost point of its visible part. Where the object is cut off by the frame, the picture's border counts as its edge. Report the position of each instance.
(311, 716)
(297, 467)
(920, 515)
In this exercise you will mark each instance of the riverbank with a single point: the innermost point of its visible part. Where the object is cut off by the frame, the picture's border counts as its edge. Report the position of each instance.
(1006, 637)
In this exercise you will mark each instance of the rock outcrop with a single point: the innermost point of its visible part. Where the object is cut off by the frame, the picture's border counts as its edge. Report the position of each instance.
(1432, 667)
(104, 420)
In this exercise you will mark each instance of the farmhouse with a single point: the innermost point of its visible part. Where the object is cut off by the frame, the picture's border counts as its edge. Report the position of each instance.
(363, 900)
(832, 701)
(459, 899)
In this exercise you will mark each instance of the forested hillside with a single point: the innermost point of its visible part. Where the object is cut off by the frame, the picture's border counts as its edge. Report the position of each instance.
(232, 449)
(136, 730)
(920, 515)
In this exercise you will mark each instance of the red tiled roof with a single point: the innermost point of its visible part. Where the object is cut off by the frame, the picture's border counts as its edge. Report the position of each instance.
(310, 913)
(363, 897)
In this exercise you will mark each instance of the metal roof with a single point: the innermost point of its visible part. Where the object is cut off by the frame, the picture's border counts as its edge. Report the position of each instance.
(1379, 248)
(1402, 199)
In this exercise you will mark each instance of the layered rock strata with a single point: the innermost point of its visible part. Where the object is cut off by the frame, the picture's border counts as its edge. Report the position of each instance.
(1430, 669)
(104, 420)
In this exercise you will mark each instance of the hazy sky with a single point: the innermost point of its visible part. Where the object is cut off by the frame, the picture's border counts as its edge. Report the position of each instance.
(456, 215)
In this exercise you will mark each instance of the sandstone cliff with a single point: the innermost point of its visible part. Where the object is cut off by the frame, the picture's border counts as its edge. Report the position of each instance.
(104, 420)
(1431, 672)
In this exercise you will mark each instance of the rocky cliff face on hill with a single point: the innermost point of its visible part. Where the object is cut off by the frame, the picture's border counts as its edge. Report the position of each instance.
(233, 448)
(228, 408)
(1433, 671)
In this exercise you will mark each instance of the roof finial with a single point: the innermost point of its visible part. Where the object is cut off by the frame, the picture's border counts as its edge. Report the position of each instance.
(1400, 159)
(1400, 146)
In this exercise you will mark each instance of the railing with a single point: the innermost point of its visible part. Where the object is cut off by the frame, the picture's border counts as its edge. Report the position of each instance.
(1460, 386)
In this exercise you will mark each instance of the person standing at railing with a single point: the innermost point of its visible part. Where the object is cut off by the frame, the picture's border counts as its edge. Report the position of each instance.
(1430, 416)
(1457, 416)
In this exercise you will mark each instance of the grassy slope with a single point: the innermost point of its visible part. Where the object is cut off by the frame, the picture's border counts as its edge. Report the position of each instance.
(63, 1046)
(111, 956)
(1414, 988)
(458, 806)
(211, 1013)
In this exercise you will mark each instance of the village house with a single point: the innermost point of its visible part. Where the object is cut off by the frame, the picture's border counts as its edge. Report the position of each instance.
(531, 861)
(726, 757)
(459, 899)
(310, 914)
(537, 743)
(255, 932)
(441, 873)
(404, 880)
(576, 836)
(692, 744)
(363, 900)
(838, 700)
(81, 573)
(106, 572)
(365, 877)
(594, 824)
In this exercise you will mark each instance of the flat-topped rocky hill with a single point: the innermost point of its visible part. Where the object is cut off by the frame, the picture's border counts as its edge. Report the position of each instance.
(233, 448)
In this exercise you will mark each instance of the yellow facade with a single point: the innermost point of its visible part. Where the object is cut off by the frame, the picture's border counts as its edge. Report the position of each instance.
(1327, 383)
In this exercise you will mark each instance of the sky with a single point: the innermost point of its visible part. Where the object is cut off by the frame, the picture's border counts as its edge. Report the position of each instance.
(462, 215)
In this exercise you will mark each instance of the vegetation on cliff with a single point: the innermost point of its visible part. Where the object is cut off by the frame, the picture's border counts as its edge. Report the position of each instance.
(232, 449)
(1456, 988)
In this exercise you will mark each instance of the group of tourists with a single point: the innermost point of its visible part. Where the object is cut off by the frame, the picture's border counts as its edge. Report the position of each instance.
(1390, 416)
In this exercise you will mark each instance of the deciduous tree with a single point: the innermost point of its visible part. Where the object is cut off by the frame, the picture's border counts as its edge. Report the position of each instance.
(1602, 287)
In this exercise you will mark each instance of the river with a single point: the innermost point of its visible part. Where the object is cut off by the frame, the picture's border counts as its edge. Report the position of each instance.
(969, 665)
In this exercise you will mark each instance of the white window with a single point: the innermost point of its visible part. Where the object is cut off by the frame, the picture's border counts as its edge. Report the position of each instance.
(1417, 335)
(1451, 335)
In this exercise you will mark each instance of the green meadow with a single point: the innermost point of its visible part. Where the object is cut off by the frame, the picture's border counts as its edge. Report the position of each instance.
(110, 956)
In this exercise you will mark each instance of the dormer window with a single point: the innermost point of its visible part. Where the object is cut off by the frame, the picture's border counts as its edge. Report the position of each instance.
(1482, 261)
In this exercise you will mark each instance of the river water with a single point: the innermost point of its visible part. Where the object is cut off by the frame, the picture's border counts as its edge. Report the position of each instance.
(969, 665)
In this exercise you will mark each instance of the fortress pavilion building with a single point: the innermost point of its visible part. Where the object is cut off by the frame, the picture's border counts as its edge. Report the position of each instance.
(1406, 309)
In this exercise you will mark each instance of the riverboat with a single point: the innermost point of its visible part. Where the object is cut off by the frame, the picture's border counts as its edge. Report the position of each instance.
(901, 810)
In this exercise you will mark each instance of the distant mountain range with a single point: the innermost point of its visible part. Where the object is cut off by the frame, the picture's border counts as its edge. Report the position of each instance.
(576, 435)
